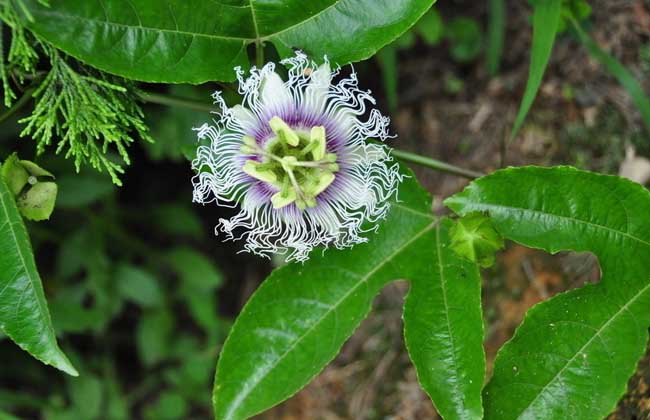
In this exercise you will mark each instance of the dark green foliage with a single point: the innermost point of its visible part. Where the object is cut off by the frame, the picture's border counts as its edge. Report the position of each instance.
(88, 113)
(99, 276)
(588, 338)
(84, 112)
(177, 41)
(465, 38)
(24, 316)
(277, 343)
(126, 270)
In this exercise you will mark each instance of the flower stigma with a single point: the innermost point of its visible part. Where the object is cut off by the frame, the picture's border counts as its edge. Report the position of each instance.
(294, 161)
(295, 158)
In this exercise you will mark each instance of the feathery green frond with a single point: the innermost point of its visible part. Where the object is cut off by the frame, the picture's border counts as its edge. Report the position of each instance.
(89, 112)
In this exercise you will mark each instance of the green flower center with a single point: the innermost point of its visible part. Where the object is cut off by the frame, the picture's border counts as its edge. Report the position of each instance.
(294, 161)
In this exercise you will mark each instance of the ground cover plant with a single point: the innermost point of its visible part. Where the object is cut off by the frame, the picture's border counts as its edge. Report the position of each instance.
(202, 202)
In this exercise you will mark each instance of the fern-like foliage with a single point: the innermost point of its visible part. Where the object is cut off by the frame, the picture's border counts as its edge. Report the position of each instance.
(83, 112)
(22, 56)
(88, 112)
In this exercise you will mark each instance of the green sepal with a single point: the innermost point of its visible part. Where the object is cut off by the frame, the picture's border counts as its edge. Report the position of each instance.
(475, 238)
(34, 169)
(37, 203)
(14, 174)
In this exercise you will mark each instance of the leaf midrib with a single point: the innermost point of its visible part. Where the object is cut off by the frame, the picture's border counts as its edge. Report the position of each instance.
(443, 282)
(538, 212)
(587, 344)
(608, 322)
(258, 38)
(3, 197)
(241, 396)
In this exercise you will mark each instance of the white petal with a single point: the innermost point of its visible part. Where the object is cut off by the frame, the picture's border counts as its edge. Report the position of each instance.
(244, 116)
(316, 92)
(276, 97)
(346, 120)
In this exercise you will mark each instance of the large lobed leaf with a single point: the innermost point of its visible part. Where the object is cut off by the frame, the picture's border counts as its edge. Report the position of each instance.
(24, 316)
(195, 41)
(299, 318)
(443, 326)
(573, 354)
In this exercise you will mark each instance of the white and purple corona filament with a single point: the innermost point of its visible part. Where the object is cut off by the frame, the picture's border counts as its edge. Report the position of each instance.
(294, 157)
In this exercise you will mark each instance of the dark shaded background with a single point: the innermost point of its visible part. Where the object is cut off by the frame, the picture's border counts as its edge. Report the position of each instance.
(114, 261)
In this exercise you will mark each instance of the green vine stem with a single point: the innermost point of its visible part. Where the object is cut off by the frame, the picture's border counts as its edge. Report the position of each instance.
(402, 155)
(434, 164)
(168, 100)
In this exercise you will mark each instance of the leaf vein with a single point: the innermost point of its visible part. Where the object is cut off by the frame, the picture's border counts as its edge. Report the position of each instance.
(248, 388)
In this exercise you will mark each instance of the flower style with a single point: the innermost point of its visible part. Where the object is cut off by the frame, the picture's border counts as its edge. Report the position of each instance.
(294, 156)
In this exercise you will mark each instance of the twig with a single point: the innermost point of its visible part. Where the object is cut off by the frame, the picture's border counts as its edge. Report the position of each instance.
(435, 164)
(402, 155)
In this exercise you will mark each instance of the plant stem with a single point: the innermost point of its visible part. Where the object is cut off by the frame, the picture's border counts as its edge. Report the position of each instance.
(434, 164)
(259, 54)
(168, 100)
(27, 96)
(409, 157)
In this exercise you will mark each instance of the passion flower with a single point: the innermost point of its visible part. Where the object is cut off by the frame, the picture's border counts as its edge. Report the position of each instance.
(295, 158)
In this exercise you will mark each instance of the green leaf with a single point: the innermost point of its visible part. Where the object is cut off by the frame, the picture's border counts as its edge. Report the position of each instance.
(431, 27)
(196, 41)
(34, 169)
(407, 40)
(117, 404)
(199, 279)
(83, 190)
(138, 285)
(573, 10)
(474, 238)
(195, 269)
(496, 35)
(86, 394)
(72, 253)
(177, 219)
(618, 70)
(37, 203)
(298, 319)
(23, 311)
(153, 336)
(546, 19)
(68, 311)
(443, 329)
(196, 372)
(204, 309)
(7, 416)
(14, 174)
(387, 58)
(465, 38)
(170, 406)
(573, 354)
